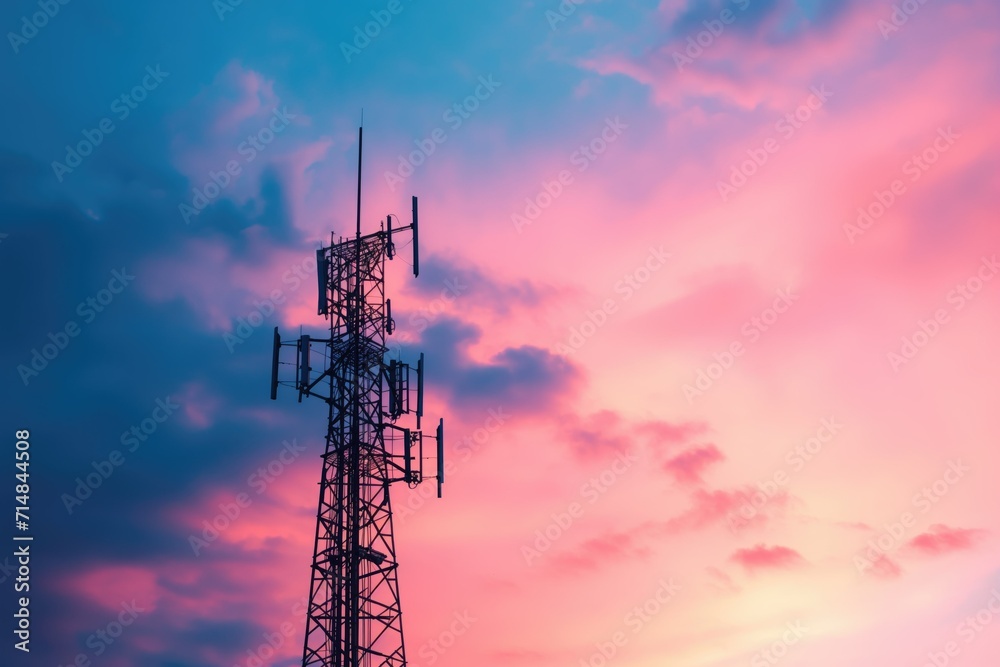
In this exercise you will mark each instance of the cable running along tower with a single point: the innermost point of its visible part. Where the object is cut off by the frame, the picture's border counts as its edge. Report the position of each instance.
(354, 617)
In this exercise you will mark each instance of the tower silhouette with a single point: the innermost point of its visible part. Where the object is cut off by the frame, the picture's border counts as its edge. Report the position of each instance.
(354, 617)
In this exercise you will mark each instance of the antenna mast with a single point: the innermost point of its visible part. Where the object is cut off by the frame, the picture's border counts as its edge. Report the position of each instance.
(361, 130)
(354, 617)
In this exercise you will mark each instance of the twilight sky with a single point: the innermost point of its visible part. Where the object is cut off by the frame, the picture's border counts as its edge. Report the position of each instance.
(708, 297)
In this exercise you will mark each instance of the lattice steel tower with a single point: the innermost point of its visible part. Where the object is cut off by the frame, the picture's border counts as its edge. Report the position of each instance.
(354, 617)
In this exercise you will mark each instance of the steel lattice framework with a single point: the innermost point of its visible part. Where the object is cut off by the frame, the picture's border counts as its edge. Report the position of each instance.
(354, 617)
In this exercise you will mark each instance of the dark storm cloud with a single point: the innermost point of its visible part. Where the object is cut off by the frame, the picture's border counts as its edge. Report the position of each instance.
(782, 17)
(525, 379)
(440, 274)
(109, 376)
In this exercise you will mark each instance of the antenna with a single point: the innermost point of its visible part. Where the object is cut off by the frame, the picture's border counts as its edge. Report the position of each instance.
(298, 362)
(274, 365)
(361, 130)
(393, 388)
(304, 368)
(420, 389)
(389, 327)
(416, 254)
(440, 453)
(322, 269)
(408, 455)
(389, 249)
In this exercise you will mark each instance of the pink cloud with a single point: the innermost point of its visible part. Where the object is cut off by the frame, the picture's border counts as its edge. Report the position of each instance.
(709, 507)
(597, 435)
(941, 539)
(664, 435)
(688, 466)
(884, 567)
(721, 580)
(109, 585)
(709, 306)
(599, 551)
(267, 281)
(199, 405)
(763, 557)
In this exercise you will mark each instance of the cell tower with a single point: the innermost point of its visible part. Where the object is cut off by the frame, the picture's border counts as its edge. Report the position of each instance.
(354, 617)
